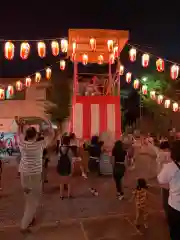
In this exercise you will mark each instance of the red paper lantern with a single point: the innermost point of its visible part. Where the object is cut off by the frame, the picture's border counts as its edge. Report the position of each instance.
(145, 60)
(128, 77)
(74, 46)
(85, 59)
(174, 71)
(92, 43)
(37, 77)
(110, 44)
(64, 45)
(10, 90)
(41, 49)
(121, 70)
(153, 95)
(2, 94)
(48, 73)
(160, 99)
(136, 83)
(175, 107)
(144, 89)
(160, 65)
(55, 48)
(19, 86)
(132, 54)
(62, 65)
(116, 51)
(111, 58)
(100, 59)
(9, 50)
(24, 50)
(167, 103)
(28, 82)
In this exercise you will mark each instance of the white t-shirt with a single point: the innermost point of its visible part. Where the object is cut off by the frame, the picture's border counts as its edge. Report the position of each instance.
(163, 157)
(170, 174)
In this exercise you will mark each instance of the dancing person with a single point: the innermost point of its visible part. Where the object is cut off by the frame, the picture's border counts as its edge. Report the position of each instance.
(30, 169)
(118, 162)
(170, 175)
(64, 166)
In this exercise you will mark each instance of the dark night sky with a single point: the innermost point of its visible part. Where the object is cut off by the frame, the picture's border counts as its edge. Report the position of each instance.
(155, 28)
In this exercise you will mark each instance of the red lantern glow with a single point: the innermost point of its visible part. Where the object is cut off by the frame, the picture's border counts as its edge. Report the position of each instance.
(121, 70)
(24, 50)
(128, 77)
(2, 94)
(92, 43)
(160, 65)
(55, 48)
(37, 77)
(167, 103)
(9, 50)
(175, 107)
(110, 44)
(132, 54)
(41, 49)
(100, 59)
(19, 86)
(153, 95)
(10, 90)
(111, 58)
(85, 59)
(144, 89)
(62, 65)
(174, 71)
(48, 73)
(116, 51)
(136, 83)
(64, 45)
(160, 99)
(28, 82)
(145, 60)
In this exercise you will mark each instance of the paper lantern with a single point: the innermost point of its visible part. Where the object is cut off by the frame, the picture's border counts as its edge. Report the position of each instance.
(55, 48)
(2, 93)
(128, 77)
(153, 95)
(136, 83)
(132, 54)
(160, 99)
(92, 43)
(160, 65)
(145, 60)
(175, 107)
(24, 50)
(28, 82)
(73, 56)
(121, 70)
(174, 71)
(9, 50)
(100, 59)
(111, 58)
(167, 103)
(62, 65)
(10, 90)
(74, 46)
(64, 45)
(37, 77)
(85, 59)
(144, 89)
(48, 73)
(110, 45)
(116, 51)
(19, 86)
(41, 49)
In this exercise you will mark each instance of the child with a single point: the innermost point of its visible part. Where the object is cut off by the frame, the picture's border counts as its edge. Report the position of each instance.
(140, 196)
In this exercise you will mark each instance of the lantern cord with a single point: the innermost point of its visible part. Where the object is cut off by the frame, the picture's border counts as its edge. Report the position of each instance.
(139, 49)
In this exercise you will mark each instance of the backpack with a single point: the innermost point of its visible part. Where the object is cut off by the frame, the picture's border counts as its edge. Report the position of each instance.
(64, 162)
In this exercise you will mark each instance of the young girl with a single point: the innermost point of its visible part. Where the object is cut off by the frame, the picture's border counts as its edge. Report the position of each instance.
(140, 195)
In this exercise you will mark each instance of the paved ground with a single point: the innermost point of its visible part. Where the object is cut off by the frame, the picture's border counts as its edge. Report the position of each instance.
(84, 217)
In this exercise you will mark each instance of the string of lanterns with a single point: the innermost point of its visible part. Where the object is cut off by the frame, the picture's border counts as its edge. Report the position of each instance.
(154, 95)
(160, 62)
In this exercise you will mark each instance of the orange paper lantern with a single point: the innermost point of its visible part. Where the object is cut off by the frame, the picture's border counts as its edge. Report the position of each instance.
(10, 90)
(160, 99)
(74, 46)
(24, 50)
(144, 89)
(9, 50)
(175, 107)
(145, 60)
(28, 82)
(110, 45)
(160, 65)
(128, 77)
(153, 95)
(111, 58)
(100, 59)
(19, 86)
(85, 59)
(116, 51)
(37, 77)
(121, 70)
(2, 94)
(92, 43)
(174, 71)
(41, 49)
(167, 103)
(62, 65)
(132, 54)
(48, 73)
(136, 83)
(55, 48)
(64, 45)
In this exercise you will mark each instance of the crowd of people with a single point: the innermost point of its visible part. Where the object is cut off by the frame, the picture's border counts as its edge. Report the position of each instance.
(36, 148)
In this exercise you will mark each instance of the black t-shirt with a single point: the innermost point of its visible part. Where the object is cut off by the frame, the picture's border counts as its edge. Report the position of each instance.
(94, 151)
(119, 156)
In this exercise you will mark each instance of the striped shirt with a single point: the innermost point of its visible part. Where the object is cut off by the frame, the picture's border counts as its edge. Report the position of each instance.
(31, 156)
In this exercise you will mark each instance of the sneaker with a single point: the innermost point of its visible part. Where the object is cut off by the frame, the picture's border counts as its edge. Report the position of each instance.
(145, 225)
(94, 192)
(121, 197)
